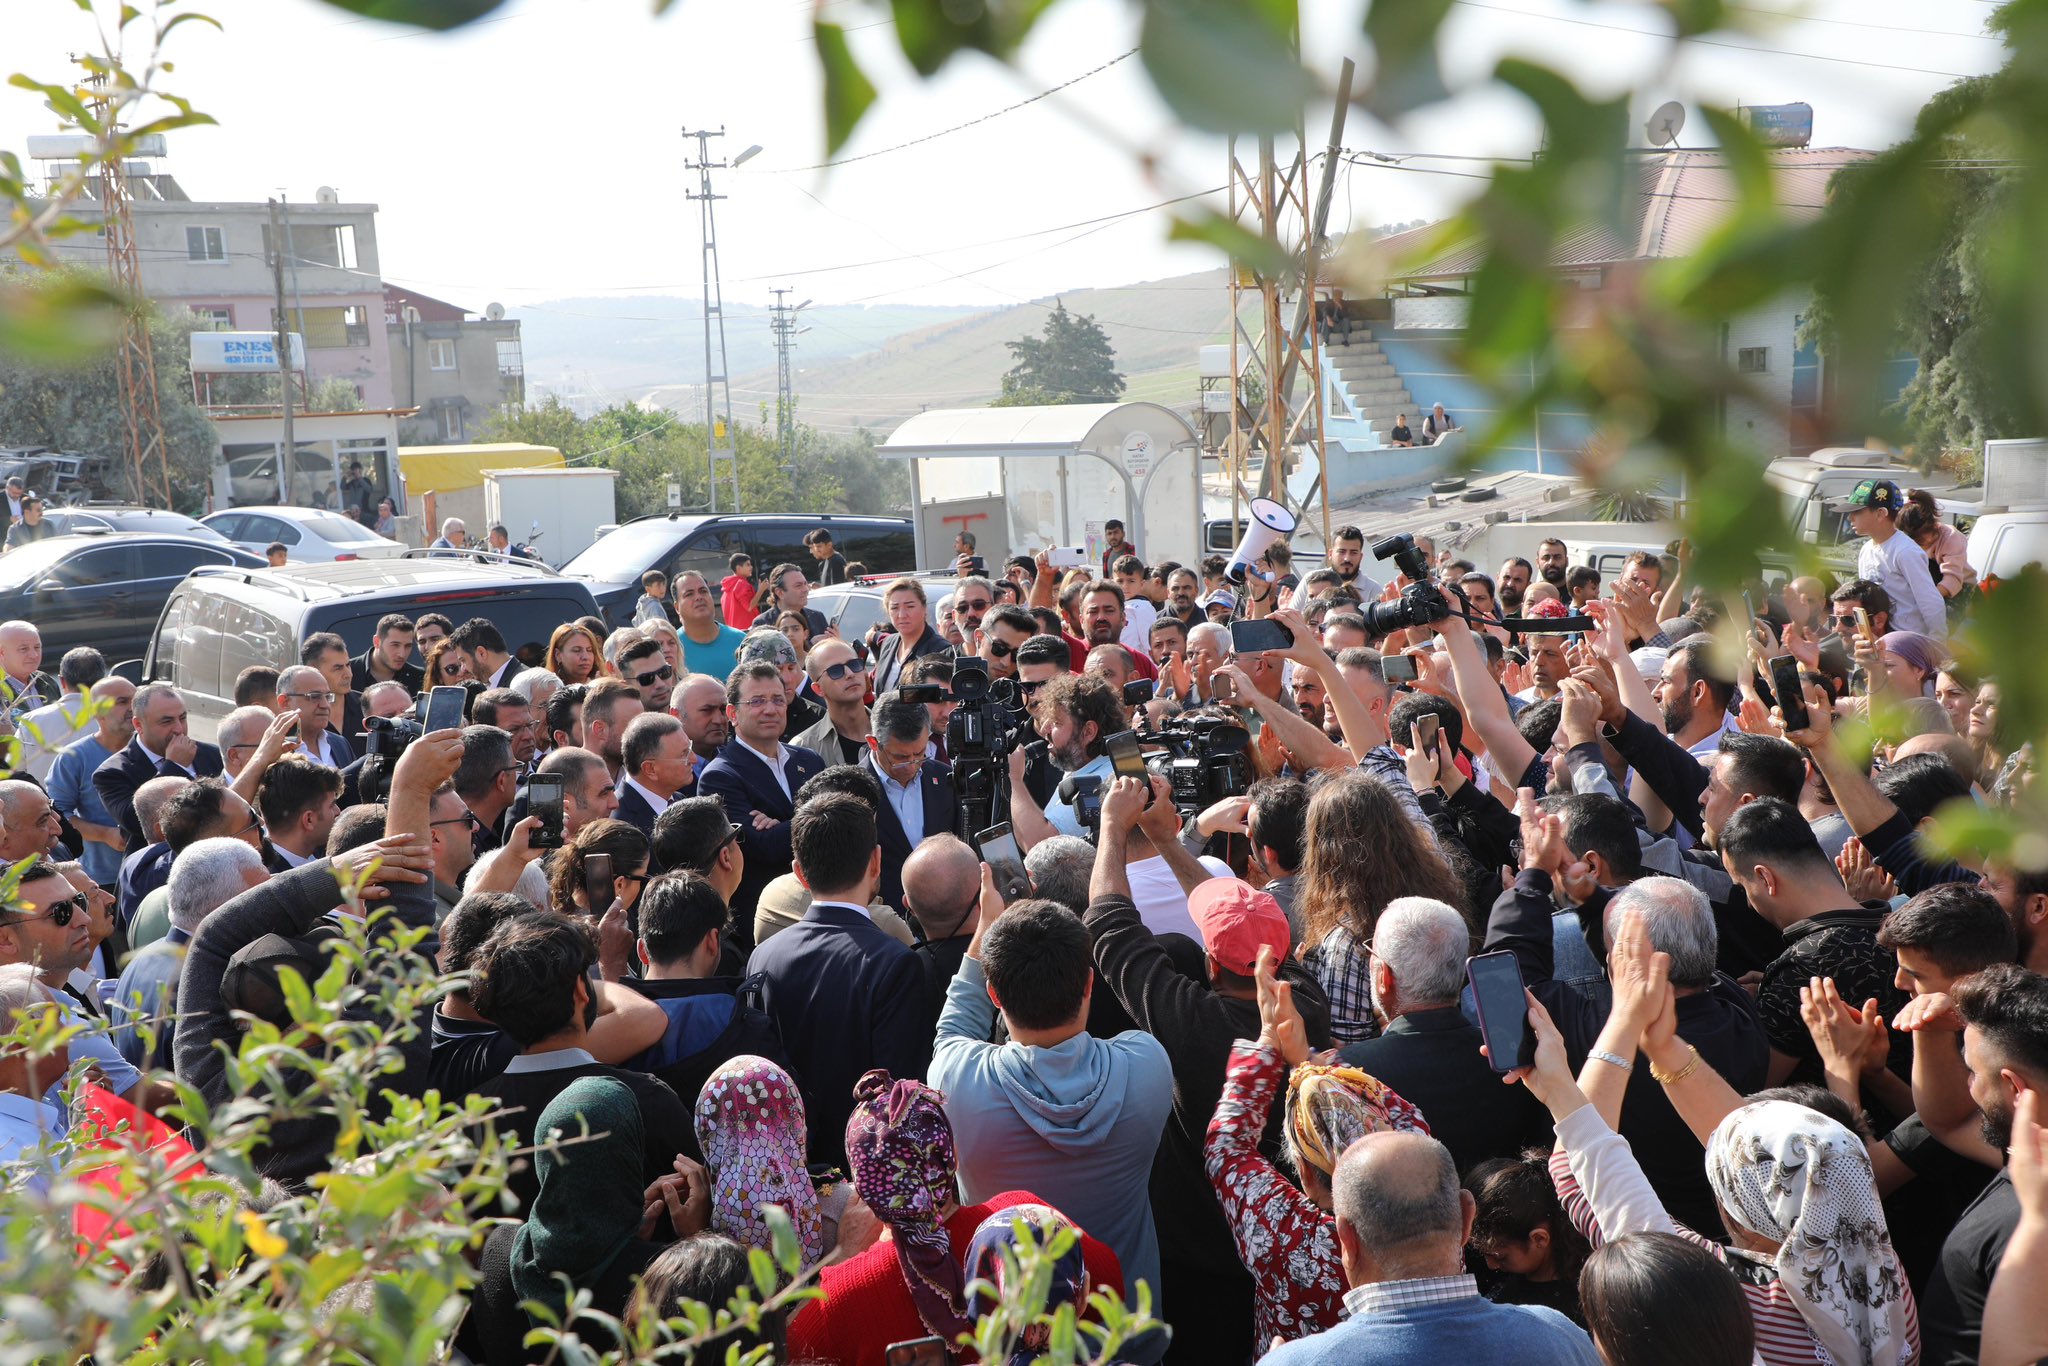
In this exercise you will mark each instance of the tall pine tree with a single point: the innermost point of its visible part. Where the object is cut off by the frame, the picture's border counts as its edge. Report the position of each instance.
(1072, 362)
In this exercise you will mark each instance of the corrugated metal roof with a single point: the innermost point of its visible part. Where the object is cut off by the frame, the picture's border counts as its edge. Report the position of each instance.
(1682, 199)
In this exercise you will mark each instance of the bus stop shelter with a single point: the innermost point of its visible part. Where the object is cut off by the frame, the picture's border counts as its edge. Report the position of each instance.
(1021, 479)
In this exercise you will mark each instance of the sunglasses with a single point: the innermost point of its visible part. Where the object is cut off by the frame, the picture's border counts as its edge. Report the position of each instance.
(975, 607)
(59, 914)
(835, 672)
(666, 671)
(1000, 649)
(467, 818)
(1028, 688)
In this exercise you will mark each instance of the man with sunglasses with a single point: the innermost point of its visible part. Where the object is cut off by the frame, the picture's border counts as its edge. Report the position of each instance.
(1001, 633)
(840, 679)
(48, 928)
(645, 667)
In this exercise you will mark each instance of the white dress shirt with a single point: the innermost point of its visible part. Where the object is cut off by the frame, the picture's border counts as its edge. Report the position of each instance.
(659, 803)
(774, 761)
(905, 799)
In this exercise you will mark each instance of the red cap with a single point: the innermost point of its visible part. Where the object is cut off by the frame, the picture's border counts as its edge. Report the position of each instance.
(1237, 920)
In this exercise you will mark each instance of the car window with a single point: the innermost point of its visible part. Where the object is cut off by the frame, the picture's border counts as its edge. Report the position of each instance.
(780, 543)
(853, 613)
(338, 530)
(188, 644)
(247, 635)
(883, 552)
(707, 553)
(175, 561)
(622, 556)
(229, 524)
(96, 567)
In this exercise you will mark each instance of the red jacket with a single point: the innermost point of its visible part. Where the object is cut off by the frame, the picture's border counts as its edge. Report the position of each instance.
(867, 1306)
(738, 601)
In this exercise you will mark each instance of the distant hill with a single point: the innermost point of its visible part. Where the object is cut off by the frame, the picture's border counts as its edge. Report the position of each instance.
(629, 346)
(1157, 328)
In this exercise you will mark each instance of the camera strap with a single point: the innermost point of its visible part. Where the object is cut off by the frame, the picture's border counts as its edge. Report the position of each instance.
(1539, 626)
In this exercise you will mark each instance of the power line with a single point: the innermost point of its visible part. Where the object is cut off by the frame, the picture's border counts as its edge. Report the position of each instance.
(1795, 18)
(944, 132)
(1712, 42)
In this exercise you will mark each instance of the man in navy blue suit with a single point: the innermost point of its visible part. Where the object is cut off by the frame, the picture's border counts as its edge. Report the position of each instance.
(843, 994)
(757, 776)
(162, 748)
(917, 793)
(659, 768)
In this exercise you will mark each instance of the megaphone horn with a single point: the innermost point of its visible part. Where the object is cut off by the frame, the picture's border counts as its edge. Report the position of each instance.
(1269, 523)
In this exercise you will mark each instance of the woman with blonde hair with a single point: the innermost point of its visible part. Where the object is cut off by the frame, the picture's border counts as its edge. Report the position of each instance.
(572, 653)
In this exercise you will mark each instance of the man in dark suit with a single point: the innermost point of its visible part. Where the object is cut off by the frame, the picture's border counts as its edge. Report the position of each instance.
(306, 690)
(917, 793)
(1428, 1052)
(843, 994)
(914, 637)
(757, 776)
(659, 767)
(162, 748)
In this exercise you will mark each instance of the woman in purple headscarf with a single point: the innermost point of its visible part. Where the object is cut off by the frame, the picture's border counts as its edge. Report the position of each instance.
(900, 1147)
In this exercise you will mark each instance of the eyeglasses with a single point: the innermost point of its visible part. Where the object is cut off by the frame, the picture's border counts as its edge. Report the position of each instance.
(761, 703)
(310, 696)
(59, 914)
(835, 672)
(666, 671)
(1000, 649)
(255, 823)
(467, 818)
(1028, 688)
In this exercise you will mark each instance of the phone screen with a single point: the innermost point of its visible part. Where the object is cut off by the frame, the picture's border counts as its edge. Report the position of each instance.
(444, 709)
(1786, 683)
(1005, 860)
(1426, 727)
(1125, 757)
(544, 800)
(1398, 668)
(1863, 623)
(1221, 689)
(1503, 1010)
(919, 1352)
(597, 883)
(1252, 637)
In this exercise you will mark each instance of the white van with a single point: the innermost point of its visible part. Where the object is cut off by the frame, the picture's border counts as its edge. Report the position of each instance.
(2007, 518)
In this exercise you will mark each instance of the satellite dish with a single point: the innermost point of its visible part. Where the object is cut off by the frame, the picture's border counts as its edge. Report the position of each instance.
(1662, 129)
(327, 194)
(494, 311)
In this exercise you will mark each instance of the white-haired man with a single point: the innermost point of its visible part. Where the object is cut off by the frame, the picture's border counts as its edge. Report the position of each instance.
(207, 876)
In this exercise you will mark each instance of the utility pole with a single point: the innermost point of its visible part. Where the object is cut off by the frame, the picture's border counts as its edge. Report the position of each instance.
(720, 442)
(782, 322)
(288, 450)
(148, 453)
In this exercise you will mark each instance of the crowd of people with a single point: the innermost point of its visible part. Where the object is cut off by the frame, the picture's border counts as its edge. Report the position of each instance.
(1782, 1045)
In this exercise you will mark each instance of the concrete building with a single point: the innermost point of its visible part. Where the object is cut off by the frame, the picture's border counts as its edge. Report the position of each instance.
(458, 368)
(212, 258)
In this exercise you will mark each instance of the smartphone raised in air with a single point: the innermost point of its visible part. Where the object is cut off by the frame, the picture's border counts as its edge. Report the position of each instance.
(444, 709)
(1496, 981)
(1005, 860)
(1791, 692)
(1257, 636)
(544, 801)
(597, 883)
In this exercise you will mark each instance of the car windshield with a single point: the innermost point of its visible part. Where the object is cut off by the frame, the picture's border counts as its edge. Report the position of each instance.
(624, 555)
(25, 564)
(338, 530)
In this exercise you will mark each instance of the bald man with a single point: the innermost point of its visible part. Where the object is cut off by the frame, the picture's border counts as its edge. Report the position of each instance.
(32, 824)
(23, 684)
(941, 888)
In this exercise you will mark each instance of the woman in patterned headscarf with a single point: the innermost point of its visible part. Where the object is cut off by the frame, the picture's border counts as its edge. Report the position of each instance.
(1286, 1236)
(750, 1124)
(900, 1148)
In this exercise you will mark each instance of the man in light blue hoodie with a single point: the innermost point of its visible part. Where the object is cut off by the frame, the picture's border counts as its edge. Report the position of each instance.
(1073, 1119)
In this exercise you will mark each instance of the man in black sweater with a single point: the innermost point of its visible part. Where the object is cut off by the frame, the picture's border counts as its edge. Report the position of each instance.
(1207, 1293)
(293, 905)
(536, 979)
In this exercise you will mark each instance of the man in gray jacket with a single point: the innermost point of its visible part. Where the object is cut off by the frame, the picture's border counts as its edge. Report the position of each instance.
(1069, 1117)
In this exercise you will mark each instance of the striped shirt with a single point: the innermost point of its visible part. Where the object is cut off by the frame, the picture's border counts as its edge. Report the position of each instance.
(1605, 1195)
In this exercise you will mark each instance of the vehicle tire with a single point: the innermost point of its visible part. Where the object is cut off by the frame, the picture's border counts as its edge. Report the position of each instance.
(1479, 496)
(1451, 485)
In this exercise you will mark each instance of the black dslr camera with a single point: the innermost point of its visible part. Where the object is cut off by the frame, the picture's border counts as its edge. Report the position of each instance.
(1205, 760)
(386, 738)
(1422, 602)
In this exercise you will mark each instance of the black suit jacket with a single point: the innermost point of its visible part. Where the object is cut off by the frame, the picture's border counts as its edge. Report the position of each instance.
(935, 780)
(845, 997)
(1432, 1058)
(740, 778)
(887, 661)
(117, 778)
(634, 810)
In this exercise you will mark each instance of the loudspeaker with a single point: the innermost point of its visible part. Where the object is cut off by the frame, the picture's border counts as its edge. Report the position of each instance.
(1269, 523)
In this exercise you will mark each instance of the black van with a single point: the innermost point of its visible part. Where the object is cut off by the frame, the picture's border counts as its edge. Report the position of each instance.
(676, 544)
(220, 621)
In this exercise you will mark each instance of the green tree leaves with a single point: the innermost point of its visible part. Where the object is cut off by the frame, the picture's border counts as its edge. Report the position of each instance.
(1071, 361)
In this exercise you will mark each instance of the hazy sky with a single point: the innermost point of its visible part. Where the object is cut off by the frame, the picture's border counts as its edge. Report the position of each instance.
(536, 155)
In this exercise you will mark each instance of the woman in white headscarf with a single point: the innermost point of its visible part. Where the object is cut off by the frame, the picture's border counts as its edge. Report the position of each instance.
(1807, 1239)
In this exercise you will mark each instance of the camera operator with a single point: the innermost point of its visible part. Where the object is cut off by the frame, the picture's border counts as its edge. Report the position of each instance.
(933, 672)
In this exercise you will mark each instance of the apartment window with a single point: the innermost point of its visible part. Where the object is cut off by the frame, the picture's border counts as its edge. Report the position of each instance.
(214, 317)
(440, 354)
(451, 424)
(206, 244)
(319, 244)
(511, 361)
(334, 328)
(1753, 360)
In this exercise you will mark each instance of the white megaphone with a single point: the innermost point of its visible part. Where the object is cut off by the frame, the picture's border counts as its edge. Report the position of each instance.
(1270, 522)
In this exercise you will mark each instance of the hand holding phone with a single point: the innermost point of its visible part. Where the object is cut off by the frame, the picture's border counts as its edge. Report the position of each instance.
(1125, 757)
(1496, 981)
(1399, 668)
(1790, 690)
(1425, 732)
(1005, 862)
(597, 883)
(1258, 635)
(1066, 557)
(544, 802)
(444, 709)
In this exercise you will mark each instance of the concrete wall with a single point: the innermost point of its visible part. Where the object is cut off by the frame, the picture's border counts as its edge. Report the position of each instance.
(477, 388)
(1762, 421)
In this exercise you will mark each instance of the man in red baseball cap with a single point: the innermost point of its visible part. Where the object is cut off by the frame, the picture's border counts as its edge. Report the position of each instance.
(1237, 920)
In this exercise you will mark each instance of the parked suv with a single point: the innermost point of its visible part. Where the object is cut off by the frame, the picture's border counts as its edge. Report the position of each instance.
(676, 544)
(221, 621)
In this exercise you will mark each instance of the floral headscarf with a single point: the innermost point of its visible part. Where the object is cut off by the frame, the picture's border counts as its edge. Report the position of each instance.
(750, 1124)
(1787, 1173)
(985, 1262)
(1330, 1107)
(900, 1146)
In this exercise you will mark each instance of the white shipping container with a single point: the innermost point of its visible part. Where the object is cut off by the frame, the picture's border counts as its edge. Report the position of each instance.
(560, 511)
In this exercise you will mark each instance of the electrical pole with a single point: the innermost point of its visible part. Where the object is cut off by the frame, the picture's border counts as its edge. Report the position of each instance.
(288, 450)
(782, 322)
(720, 444)
(141, 411)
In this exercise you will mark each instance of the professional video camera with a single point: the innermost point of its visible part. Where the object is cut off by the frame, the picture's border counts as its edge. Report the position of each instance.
(387, 737)
(1421, 603)
(984, 727)
(1205, 760)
